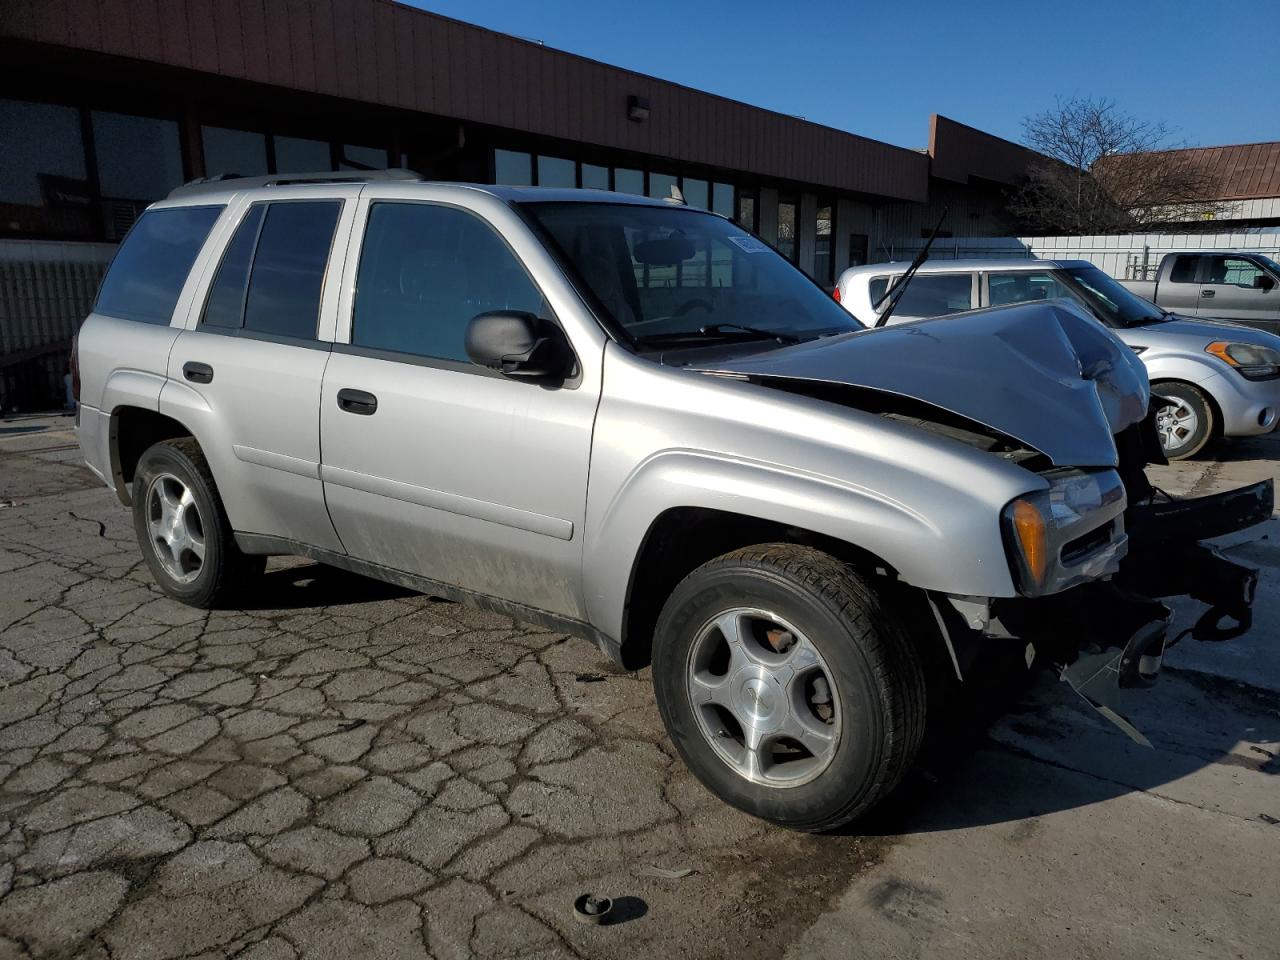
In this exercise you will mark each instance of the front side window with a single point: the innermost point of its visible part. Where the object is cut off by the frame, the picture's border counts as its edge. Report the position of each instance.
(289, 265)
(658, 271)
(935, 295)
(1233, 271)
(1184, 269)
(425, 272)
(147, 275)
(1020, 286)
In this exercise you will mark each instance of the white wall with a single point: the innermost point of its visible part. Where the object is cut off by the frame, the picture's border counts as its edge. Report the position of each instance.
(1125, 256)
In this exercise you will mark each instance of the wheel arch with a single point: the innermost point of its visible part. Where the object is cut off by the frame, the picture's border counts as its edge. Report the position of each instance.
(133, 429)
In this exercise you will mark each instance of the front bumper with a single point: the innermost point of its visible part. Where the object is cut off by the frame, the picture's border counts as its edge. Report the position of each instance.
(1248, 407)
(1110, 635)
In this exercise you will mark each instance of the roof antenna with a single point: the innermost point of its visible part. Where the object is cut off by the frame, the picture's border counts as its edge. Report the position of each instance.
(676, 197)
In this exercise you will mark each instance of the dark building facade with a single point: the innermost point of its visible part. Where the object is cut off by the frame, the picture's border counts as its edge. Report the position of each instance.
(106, 105)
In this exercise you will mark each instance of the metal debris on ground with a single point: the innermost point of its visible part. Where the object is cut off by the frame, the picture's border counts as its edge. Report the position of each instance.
(1267, 818)
(590, 677)
(662, 873)
(589, 908)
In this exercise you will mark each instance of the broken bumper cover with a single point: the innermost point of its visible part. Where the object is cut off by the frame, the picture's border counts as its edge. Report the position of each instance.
(1124, 618)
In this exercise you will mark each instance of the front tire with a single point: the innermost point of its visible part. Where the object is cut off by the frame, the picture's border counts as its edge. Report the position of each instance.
(183, 530)
(791, 691)
(1188, 425)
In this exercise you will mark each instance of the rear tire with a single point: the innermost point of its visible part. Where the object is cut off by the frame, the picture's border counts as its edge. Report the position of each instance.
(1187, 427)
(183, 530)
(831, 625)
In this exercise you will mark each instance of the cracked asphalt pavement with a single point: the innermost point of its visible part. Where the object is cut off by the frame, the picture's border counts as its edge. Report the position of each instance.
(346, 769)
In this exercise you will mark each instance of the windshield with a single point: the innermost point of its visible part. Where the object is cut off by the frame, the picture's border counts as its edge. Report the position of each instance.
(1268, 261)
(1116, 306)
(663, 274)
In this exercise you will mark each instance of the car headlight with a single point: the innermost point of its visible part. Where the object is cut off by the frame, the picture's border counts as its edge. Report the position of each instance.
(1252, 361)
(1050, 535)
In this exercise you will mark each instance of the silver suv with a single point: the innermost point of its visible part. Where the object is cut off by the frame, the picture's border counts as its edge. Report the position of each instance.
(633, 421)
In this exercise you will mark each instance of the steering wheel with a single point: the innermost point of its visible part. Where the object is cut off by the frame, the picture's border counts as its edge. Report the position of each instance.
(689, 305)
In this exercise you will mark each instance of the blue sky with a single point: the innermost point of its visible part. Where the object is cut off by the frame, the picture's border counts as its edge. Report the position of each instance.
(1209, 69)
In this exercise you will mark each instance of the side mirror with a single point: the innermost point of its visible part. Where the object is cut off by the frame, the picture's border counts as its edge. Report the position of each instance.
(1262, 281)
(518, 344)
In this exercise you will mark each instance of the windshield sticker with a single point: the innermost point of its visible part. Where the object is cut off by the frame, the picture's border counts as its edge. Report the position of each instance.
(748, 244)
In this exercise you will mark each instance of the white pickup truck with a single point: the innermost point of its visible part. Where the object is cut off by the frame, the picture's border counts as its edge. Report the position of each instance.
(1241, 287)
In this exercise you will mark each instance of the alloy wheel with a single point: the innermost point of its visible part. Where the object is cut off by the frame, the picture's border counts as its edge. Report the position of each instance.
(176, 527)
(764, 697)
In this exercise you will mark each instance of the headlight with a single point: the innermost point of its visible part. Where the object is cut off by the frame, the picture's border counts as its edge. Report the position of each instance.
(1050, 535)
(1252, 361)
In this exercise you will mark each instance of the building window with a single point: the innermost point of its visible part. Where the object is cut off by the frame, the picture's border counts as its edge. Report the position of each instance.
(595, 178)
(139, 161)
(660, 185)
(296, 155)
(239, 152)
(695, 193)
(823, 261)
(43, 180)
(747, 212)
(787, 229)
(722, 199)
(362, 158)
(556, 172)
(513, 169)
(628, 181)
(857, 249)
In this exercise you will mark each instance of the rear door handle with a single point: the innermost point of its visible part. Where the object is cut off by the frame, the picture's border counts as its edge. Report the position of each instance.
(358, 402)
(197, 372)
(1206, 293)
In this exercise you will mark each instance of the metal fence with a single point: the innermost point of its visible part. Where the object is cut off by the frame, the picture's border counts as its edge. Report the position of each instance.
(46, 290)
(1131, 256)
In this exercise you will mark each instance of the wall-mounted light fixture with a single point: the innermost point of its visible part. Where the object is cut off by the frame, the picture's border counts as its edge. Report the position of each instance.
(637, 108)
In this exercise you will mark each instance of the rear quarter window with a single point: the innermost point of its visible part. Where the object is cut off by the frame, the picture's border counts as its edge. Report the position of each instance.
(146, 277)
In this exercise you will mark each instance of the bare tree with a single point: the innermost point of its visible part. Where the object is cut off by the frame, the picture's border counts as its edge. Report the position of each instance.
(1106, 172)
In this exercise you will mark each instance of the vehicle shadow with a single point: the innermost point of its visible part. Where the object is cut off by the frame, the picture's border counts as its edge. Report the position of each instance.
(305, 585)
(1011, 746)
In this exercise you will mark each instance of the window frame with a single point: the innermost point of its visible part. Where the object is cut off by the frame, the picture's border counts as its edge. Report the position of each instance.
(347, 309)
(323, 339)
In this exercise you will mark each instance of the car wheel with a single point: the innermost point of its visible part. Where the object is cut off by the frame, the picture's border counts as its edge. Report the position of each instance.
(789, 689)
(183, 529)
(1187, 425)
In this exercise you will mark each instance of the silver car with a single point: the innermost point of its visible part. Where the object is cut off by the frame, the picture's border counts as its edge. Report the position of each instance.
(1223, 379)
(633, 421)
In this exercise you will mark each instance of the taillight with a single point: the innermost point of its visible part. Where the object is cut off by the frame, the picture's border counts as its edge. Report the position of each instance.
(75, 368)
(835, 294)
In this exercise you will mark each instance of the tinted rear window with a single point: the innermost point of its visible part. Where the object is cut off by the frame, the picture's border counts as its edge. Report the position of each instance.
(147, 274)
(289, 267)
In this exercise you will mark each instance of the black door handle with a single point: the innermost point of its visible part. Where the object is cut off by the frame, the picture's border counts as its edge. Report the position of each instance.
(197, 372)
(357, 401)
(1206, 293)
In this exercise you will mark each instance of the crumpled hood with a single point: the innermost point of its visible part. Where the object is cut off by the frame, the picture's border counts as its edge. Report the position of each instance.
(1047, 374)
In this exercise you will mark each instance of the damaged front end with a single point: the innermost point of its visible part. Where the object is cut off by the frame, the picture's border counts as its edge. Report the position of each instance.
(1108, 635)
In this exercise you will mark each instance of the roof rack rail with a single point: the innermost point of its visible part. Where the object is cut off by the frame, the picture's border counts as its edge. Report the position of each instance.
(232, 181)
